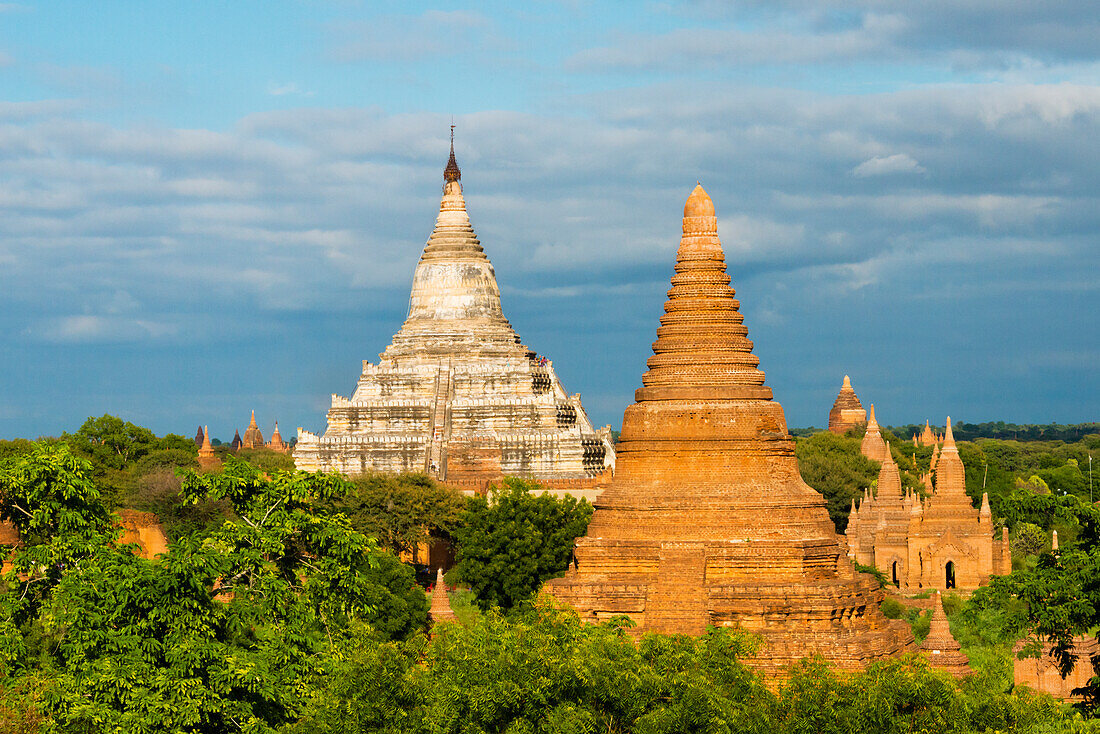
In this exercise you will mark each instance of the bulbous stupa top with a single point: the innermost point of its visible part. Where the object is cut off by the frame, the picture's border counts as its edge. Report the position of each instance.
(699, 208)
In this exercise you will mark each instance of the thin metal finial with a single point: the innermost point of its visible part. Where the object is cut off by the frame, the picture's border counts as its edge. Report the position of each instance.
(451, 172)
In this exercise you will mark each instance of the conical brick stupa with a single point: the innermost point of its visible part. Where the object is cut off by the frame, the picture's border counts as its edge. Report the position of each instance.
(707, 521)
(847, 412)
(941, 647)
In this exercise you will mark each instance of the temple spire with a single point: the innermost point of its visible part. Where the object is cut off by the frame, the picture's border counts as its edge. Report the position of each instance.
(702, 347)
(452, 173)
(950, 473)
(872, 446)
(455, 298)
(847, 411)
(207, 459)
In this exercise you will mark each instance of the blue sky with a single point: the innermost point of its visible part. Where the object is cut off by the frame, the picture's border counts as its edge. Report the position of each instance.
(207, 208)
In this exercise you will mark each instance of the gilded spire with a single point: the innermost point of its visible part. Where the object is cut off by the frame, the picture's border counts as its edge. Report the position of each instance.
(451, 173)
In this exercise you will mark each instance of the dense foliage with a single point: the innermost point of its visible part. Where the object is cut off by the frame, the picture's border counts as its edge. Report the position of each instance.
(276, 610)
(513, 540)
(400, 510)
(1058, 596)
(544, 671)
(219, 634)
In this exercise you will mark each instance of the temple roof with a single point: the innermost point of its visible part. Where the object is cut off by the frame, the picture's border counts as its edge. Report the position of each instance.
(253, 437)
(950, 473)
(704, 404)
(889, 479)
(847, 411)
(276, 442)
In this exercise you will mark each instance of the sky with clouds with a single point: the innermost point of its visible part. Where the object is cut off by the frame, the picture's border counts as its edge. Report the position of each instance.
(211, 207)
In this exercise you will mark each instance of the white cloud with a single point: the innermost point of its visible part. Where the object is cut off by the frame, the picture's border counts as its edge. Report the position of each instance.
(280, 90)
(84, 329)
(886, 165)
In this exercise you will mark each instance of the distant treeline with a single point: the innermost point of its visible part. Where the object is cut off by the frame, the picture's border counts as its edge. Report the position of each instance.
(999, 429)
(1008, 431)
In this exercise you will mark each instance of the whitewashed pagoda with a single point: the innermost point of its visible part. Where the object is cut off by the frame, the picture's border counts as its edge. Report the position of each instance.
(456, 394)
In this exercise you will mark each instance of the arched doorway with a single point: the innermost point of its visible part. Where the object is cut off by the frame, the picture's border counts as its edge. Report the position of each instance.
(949, 573)
(894, 572)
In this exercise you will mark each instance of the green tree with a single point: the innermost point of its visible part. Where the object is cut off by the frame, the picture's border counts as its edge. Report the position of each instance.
(112, 442)
(400, 510)
(217, 635)
(265, 459)
(1060, 595)
(833, 466)
(513, 540)
(544, 672)
(1028, 539)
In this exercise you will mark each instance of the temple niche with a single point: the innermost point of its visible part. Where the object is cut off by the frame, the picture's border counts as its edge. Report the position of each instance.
(707, 520)
(937, 542)
(456, 394)
(847, 412)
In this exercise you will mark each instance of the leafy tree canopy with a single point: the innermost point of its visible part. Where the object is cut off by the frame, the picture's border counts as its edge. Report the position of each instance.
(217, 635)
(1060, 596)
(400, 510)
(545, 671)
(513, 540)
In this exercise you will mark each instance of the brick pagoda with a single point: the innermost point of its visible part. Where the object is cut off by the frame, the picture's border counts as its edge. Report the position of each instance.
(847, 412)
(707, 520)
